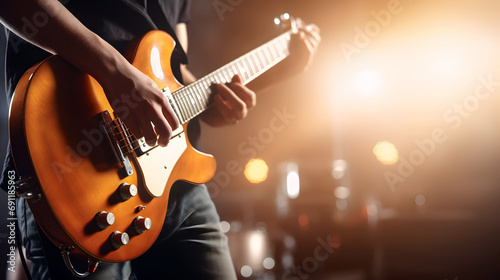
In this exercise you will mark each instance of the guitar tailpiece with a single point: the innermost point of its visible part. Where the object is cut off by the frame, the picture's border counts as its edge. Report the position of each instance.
(92, 264)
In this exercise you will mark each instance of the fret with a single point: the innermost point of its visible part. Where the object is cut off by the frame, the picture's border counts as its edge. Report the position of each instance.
(265, 56)
(229, 72)
(206, 85)
(211, 78)
(217, 77)
(274, 49)
(189, 100)
(209, 90)
(263, 65)
(226, 74)
(186, 104)
(282, 45)
(199, 95)
(242, 69)
(220, 77)
(251, 67)
(193, 100)
(279, 47)
(196, 98)
(205, 92)
(258, 64)
(261, 59)
(177, 110)
(286, 40)
(180, 104)
(180, 107)
(235, 70)
(268, 56)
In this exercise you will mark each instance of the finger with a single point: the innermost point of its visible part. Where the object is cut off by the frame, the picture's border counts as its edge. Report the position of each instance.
(169, 114)
(162, 129)
(135, 129)
(314, 28)
(315, 41)
(224, 109)
(148, 132)
(239, 109)
(244, 93)
(312, 31)
(312, 37)
(310, 46)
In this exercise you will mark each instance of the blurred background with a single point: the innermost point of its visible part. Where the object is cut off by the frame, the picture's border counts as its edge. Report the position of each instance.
(379, 162)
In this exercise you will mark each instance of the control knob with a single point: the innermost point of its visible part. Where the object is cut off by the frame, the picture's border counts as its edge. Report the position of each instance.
(104, 219)
(119, 239)
(127, 191)
(142, 224)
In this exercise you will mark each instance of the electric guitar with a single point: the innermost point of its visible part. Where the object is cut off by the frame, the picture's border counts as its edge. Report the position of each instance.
(95, 190)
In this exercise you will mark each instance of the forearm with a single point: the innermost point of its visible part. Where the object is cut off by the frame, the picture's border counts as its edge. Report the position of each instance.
(187, 76)
(59, 32)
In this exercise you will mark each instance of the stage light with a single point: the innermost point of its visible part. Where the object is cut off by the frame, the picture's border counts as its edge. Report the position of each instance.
(256, 244)
(246, 271)
(236, 226)
(386, 153)
(449, 63)
(225, 226)
(269, 263)
(342, 192)
(341, 204)
(303, 220)
(367, 82)
(287, 260)
(339, 168)
(289, 242)
(420, 200)
(256, 171)
(292, 180)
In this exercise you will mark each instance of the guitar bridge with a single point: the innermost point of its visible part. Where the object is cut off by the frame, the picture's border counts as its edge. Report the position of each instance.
(122, 142)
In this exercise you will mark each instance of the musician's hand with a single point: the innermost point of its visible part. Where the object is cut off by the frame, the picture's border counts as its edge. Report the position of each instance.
(141, 105)
(231, 103)
(303, 47)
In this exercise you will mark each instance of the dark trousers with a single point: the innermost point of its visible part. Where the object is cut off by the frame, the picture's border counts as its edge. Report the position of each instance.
(190, 246)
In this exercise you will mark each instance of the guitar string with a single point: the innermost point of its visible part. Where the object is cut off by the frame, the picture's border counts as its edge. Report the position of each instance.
(255, 60)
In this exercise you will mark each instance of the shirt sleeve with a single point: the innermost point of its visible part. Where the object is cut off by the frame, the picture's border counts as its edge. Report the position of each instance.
(184, 12)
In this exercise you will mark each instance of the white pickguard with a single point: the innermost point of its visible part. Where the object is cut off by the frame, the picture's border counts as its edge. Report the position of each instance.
(157, 164)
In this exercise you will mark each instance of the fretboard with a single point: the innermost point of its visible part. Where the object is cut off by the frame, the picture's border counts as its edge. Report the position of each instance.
(195, 98)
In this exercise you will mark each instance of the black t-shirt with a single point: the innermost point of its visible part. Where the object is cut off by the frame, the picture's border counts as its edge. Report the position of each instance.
(116, 21)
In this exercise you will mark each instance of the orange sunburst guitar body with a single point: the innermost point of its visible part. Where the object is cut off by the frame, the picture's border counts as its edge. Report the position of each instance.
(93, 188)
(56, 138)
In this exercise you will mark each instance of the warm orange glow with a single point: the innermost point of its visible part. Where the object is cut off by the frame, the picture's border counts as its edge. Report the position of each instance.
(256, 170)
(303, 220)
(386, 153)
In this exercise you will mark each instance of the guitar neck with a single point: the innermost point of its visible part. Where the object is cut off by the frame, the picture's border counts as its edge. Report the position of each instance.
(195, 98)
